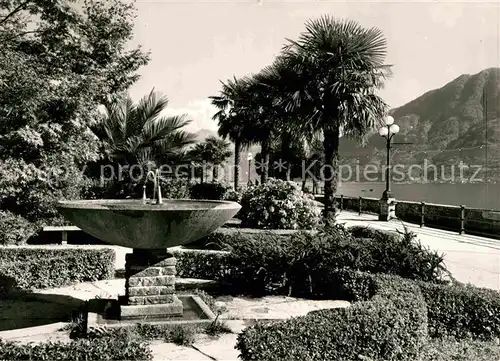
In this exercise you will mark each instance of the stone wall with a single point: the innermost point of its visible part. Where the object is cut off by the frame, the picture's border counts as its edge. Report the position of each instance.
(368, 205)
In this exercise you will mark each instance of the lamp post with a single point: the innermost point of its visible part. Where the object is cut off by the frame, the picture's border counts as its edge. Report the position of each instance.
(387, 204)
(249, 158)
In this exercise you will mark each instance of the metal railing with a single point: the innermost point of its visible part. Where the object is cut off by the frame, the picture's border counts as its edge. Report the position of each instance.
(460, 219)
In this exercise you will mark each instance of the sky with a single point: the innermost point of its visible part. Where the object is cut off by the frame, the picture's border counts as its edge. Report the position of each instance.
(196, 44)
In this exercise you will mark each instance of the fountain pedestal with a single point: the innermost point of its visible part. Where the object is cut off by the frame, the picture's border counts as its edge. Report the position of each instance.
(150, 285)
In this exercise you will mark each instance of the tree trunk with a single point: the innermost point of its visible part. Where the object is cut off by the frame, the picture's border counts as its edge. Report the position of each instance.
(264, 166)
(237, 150)
(289, 172)
(315, 179)
(330, 169)
(215, 172)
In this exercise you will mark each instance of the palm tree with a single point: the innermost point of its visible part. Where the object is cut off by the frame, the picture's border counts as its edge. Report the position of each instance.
(266, 122)
(328, 80)
(233, 118)
(137, 134)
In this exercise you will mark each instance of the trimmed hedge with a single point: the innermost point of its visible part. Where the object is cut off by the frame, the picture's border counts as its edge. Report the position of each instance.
(211, 265)
(269, 264)
(82, 349)
(457, 310)
(391, 325)
(27, 268)
(462, 311)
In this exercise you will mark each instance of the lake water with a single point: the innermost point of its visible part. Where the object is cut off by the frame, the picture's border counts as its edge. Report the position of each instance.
(474, 195)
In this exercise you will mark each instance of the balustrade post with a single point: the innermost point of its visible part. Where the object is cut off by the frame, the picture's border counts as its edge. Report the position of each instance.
(462, 219)
(422, 214)
(360, 204)
(341, 202)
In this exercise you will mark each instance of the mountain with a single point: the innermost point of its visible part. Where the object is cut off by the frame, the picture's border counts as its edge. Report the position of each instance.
(445, 126)
(203, 134)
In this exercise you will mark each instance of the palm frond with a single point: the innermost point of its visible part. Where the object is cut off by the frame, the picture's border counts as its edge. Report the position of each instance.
(148, 110)
(155, 129)
(135, 134)
(173, 142)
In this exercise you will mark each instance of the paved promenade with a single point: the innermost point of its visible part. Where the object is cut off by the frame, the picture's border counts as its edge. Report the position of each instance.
(470, 259)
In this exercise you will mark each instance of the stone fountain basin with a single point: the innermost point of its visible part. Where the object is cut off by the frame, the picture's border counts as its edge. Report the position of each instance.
(135, 224)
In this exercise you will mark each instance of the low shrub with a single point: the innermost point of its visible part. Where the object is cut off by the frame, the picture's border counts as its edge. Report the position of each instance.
(182, 336)
(217, 327)
(462, 311)
(450, 349)
(175, 188)
(400, 254)
(178, 334)
(391, 325)
(29, 268)
(370, 232)
(300, 265)
(108, 348)
(278, 204)
(14, 229)
(234, 196)
(213, 190)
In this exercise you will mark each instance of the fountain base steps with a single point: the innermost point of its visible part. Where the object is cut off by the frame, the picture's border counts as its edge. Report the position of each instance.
(150, 295)
(105, 313)
(174, 308)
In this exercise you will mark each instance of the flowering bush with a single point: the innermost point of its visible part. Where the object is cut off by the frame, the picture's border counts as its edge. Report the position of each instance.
(233, 195)
(278, 204)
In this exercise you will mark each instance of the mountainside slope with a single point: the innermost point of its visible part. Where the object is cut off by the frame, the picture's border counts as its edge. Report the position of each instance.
(445, 125)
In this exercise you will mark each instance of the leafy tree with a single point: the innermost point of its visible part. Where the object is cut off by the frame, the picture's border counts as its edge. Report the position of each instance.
(57, 64)
(213, 151)
(328, 79)
(217, 152)
(198, 155)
